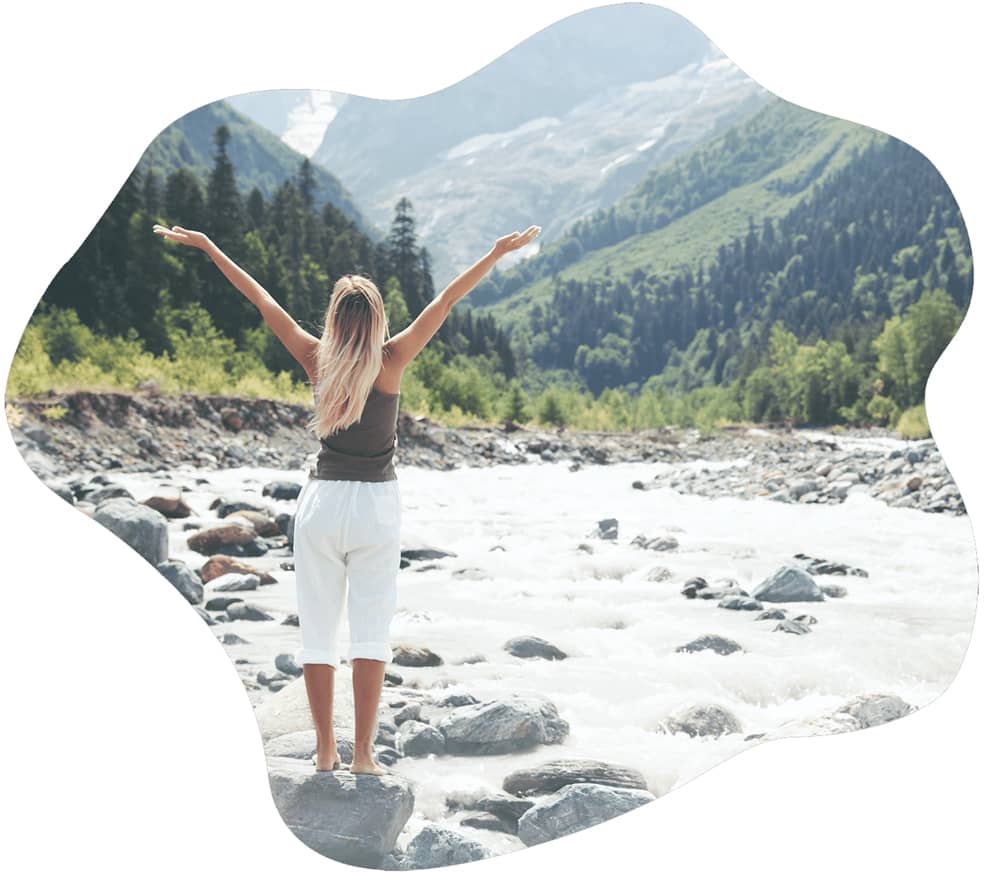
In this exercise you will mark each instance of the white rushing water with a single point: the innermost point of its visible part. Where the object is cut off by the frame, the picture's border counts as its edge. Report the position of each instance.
(903, 630)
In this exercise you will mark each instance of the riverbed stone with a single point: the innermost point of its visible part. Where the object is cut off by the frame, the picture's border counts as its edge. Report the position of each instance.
(183, 578)
(575, 807)
(500, 726)
(139, 527)
(788, 584)
(554, 774)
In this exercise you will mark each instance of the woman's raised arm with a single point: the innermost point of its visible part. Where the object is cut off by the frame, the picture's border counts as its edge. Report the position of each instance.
(405, 344)
(299, 342)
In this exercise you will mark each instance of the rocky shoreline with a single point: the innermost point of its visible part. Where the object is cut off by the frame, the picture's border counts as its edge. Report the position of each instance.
(63, 435)
(228, 555)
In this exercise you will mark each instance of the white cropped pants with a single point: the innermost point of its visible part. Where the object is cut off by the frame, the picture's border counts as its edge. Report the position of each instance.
(346, 542)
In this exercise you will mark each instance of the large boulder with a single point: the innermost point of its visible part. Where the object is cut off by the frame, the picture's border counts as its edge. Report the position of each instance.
(555, 774)
(501, 726)
(351, 819)
(440, 846)
(138, 526)
(575, 807)
(183, 578)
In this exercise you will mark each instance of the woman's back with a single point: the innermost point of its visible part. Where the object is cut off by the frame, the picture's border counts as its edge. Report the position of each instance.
(363, 451)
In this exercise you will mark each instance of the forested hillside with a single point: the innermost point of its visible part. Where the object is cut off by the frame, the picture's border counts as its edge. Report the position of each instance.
(129, 306)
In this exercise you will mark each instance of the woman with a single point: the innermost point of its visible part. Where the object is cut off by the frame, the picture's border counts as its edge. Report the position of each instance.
(347, 519)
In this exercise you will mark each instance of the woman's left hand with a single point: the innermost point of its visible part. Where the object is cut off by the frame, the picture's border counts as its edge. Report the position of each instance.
(179, 234)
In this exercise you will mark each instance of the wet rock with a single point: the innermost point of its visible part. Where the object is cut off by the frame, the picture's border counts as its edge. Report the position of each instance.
(736, 601)
(412, 656)
(576, 807)
(790, 626)
(351, 819)
(659, 543)
(427, 553)
(501, 726)
(487, 821)
(559, 772)
(718, 644)
(287, 664)
(282, 490)
(788, 584)
(235, 582)
(141, 528)
(243, 611)
(702, 720)
(168, 505)
(219, 565)
(533, 647)
(439, 846)
(183, 578)
(415, 738)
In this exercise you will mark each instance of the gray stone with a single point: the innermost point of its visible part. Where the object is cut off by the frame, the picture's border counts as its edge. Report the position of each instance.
(440, 846)
(720, 645)
(553, 775)
(416, 739)
(500, 726)
(702, 720)
(183, 578)
(351, 819)
(788, 584)
(138, 526)
(575, 807)
(533, 647)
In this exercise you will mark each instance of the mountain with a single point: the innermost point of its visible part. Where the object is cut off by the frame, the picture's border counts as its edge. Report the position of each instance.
(260, 158)
(299, 118)
(561, 124)
(792, 215)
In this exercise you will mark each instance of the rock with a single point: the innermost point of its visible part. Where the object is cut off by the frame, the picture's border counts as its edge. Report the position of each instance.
(416, 739)
(183, 578)
(288, 712)
(502, 726)
(833, 590)
(788, 584)
(263, 524)
(821, 566)
(875, 709)
(736, 601)
(504, 806)
(426, 554)
(64, 491)
(790, 626)
(559, 772)
(225, 506)
(489, 822)
(576, 807)
(702, 720)
(457, 700)
(235, 582)
(109, 492)
(220, 536)
(473, 573)
(692, 586)
(168, 505)
(351, 819)
(409, 711)
(412, 656)
(287, 664)
(243, 611)
(231, 639)
(771, 614)
(302, 745)
(220, 604)
(205, 616)
(533, 647)
(721, 645)
(659, 574)
(865, 710)
(138, 526)
(219, 565)
(282, 490)
(607, 529)
(438, 846)
(659, 544)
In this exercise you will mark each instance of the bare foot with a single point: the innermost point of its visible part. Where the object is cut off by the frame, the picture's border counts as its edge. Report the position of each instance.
(335, 763)
(366, 766)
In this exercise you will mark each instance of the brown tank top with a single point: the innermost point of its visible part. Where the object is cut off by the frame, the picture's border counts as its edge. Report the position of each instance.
(364, 451)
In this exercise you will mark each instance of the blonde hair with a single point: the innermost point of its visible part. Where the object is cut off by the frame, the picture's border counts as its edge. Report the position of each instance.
(349, 355)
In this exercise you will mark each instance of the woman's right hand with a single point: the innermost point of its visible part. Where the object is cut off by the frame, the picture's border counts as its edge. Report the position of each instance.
(192, 238)
(513, 241)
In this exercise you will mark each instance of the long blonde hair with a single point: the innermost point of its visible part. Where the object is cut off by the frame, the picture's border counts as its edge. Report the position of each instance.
(349, 355)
